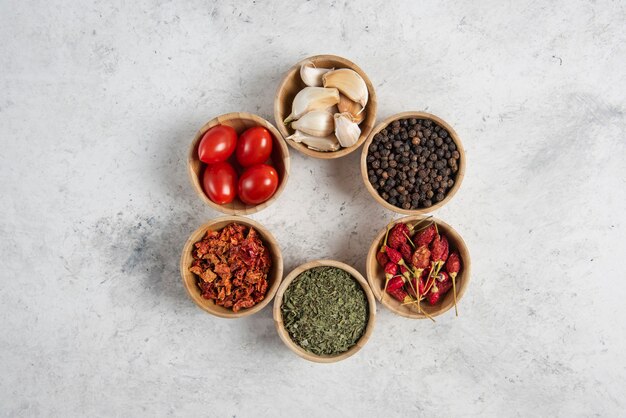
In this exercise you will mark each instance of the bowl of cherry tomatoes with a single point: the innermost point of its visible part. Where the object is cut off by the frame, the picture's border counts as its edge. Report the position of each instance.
(238, 163)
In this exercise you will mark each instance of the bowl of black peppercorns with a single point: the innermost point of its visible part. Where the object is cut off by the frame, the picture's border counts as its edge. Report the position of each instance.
(413, 163)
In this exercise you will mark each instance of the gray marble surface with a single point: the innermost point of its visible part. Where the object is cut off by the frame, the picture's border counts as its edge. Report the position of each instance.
(99, 102)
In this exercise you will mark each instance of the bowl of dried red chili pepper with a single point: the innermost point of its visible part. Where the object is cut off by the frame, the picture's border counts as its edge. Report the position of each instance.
(419, 267)
(231, 267)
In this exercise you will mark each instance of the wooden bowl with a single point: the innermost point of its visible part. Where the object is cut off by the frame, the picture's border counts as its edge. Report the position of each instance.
(284, 334)
(292, 84)
(459, 175)
(191, 282)
(376, 274)
(279, 158)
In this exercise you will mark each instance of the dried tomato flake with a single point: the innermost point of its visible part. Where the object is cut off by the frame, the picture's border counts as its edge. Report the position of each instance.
(232, 266)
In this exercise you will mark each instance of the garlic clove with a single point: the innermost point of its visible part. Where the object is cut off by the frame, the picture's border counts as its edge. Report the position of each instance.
(311, 75)
(354, 108)
(317, 143)
(347, 130)
(312, 98)
(316, 123)
(333, 109)
(349, 83)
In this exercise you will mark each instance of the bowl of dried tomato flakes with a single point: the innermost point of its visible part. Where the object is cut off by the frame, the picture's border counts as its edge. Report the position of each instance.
(424, 256)
(231, 267)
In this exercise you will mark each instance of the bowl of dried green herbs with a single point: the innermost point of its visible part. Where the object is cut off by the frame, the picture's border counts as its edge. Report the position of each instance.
(324, 311)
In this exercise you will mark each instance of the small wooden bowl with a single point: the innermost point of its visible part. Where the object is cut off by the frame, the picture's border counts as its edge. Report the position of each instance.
(284, 334)
(376, 274)
(417, 115)
(292, 84)
(190, 280)
(279, 158)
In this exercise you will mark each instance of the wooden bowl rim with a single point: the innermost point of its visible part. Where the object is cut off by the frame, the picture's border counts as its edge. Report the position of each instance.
(279, 140)
(392, 304)
(284, 334)
(418, 115)
(371, 106)
(190, 280)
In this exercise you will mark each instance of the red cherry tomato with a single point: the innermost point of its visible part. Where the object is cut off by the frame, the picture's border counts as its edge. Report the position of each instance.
(254, 146)
(257, 184)
(219, 181)
(217, 144)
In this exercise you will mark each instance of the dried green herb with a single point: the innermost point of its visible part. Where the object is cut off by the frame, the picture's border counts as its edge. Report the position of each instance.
(325, 310)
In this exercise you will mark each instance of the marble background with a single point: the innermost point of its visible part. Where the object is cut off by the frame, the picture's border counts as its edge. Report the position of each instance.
(99, 102)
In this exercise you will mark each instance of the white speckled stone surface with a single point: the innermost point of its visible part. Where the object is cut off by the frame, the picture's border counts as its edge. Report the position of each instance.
(99, 102)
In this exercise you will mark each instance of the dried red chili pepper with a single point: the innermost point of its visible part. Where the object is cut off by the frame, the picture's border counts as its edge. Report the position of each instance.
(453, 265)
(398, 235)
(425, 236)
(391, 270)
(394, 256)
(399, 294)
(382, 258)
(406, 251)
(439, 249)
(421, 258)
(440, 288)
(395, 283)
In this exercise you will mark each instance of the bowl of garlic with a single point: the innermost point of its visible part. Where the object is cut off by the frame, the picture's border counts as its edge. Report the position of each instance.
(325, 106)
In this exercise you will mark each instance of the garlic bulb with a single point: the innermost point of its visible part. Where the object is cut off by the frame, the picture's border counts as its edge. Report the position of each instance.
(312, 98)
(316, 123)
(318, 143)
(311, 75)
(346, 130)
(348, 82)
(353, 108)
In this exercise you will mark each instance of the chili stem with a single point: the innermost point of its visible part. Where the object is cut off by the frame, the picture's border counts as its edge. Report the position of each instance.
(386, 235)
(430, 274)
(456, 311)
(409, 238)
(419, 222)
(413, 301)
(427, 316)
(411, 284)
